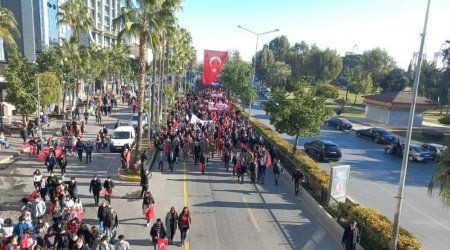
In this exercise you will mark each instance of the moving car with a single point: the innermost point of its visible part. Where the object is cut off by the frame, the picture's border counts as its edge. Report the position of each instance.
(339, 123)
(134, 120)
(416, 152)
(122, 136)
(323, 150)
(378, 135)
(434, 149)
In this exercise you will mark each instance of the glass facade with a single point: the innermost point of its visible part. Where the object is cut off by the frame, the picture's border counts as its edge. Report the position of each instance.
(2, 51)
(53, 29)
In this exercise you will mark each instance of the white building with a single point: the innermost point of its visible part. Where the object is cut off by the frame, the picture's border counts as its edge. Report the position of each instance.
(103, 12)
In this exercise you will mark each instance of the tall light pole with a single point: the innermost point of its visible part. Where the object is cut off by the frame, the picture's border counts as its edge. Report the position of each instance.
(401, 185)
(254, 60)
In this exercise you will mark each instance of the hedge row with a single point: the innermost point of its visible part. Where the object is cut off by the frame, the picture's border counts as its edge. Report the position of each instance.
(375, 222)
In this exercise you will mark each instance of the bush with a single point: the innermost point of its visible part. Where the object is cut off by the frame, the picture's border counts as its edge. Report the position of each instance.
(326, 90)
(380, 228)
(432, 134)
(445, 120)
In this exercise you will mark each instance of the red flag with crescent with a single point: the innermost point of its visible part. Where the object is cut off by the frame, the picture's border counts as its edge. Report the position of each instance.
(212, 65)
(162, 243)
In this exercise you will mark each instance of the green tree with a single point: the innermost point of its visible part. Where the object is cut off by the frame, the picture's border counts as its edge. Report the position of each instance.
(21, 83)
(50, 88)
(141, 20)
(326, 91)
(8, 26)
(279, 47)
(119, 55)
(300, 116)
(360, 82)
(264, 60)
(76, 15)
(297, 58)
(441, 178)
(345, 78)
(235, 74)
(278, 75)
(377, 63)
(396, 80)
(430, 81)
(248, 94)
(69, 53)
(323, 66)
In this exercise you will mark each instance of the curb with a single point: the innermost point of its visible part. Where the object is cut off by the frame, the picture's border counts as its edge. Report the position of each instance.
(127, 178)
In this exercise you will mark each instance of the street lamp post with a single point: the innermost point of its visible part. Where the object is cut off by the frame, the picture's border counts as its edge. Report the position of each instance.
(254, 60)
(401, 186)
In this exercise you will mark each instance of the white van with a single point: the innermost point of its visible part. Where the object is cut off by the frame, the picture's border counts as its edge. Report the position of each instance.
(122, 136)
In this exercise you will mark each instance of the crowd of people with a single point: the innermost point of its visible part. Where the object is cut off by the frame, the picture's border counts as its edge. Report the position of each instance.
(203, 125)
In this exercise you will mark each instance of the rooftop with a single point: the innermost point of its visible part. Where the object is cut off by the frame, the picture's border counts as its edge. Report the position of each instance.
(399, 97)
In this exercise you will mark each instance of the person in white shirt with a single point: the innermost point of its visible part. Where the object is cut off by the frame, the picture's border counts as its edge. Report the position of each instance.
(37, 177)
(77, 204)
(68, 203)
(122, 244)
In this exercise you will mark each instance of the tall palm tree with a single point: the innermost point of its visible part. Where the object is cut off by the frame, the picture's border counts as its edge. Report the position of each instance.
(8, 26)
(119, 54)
(75, 14)
(69, 51)
(140, 21)
(441, 177)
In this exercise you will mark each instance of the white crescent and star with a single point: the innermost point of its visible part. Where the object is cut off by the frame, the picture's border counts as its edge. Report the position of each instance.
(215, 58)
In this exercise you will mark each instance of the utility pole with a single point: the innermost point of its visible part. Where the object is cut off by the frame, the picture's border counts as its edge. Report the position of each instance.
(401, 186)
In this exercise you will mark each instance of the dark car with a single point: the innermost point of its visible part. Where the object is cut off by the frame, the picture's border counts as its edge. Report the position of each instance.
(323, 150)
(416, 152)
(339, 123)
(377, 135)
(434, 149)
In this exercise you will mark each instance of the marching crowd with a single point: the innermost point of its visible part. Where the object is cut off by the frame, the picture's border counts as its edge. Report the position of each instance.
(202, 125)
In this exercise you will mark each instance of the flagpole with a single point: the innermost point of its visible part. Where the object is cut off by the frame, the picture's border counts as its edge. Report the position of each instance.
(401, 187)
(254, 59)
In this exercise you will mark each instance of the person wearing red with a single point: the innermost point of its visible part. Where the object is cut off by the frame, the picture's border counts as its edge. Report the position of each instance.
(184, 221)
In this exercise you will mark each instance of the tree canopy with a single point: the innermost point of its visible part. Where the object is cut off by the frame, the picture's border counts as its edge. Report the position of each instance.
(396, 80)
(299, 116)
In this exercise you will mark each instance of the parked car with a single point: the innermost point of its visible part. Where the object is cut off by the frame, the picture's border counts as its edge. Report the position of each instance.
(122, 136)
(339, 123)
(434, 149)
(416, 152)
(378, 135)
(134, 120)
(323, 150)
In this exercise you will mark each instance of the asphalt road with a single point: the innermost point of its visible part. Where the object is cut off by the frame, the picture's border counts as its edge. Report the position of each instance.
(225, 214)
(374, 178)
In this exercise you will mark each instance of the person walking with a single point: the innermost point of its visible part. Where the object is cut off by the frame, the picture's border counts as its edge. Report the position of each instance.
(38, 207)
(111, 223)
(51, 184)
(171, 223)
(108, 185)
(253, 172)
(144, 182)
(62, 163)
(242, 170)
(125, 158)
(350, 237)
(50, 162)
(171, 159)
(86, 116)
(37, 177)
(147, 203)
(95, 187)
(101, 216)
(104, 244)
(72, 187)
(277, 170)
(122, 244)
(80, 148)
(157, 232)
(88, 148)
(184, 221)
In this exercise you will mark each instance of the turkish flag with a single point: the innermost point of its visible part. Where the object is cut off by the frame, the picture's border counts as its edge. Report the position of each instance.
(212, 65)
(162, 244)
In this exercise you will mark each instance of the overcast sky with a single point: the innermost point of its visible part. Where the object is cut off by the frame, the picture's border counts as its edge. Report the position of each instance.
(394, 25)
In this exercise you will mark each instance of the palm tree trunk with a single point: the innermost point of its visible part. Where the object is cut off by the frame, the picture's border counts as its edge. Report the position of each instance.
(141, 93)
(153, 102)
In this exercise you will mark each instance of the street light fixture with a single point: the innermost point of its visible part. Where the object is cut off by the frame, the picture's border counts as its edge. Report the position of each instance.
(254, 61)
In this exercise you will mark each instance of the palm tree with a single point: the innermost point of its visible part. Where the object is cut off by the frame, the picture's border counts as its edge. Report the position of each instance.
(442, 177)
(69, 51)
(75, 14)
(8, 26)
(118, 54)
(141, 22)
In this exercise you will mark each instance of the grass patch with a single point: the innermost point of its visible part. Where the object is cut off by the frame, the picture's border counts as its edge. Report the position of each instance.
(351, 97)
(417, 136)
(433, 116)
(348, 111)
